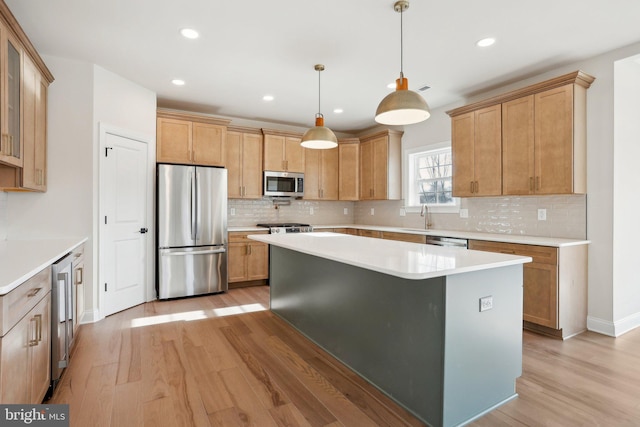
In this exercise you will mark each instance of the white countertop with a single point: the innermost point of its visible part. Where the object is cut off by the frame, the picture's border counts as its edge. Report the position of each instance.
(413, 261)
(493, 237)
(22, 259)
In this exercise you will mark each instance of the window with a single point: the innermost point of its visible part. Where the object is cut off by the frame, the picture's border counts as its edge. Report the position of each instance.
(428, 181)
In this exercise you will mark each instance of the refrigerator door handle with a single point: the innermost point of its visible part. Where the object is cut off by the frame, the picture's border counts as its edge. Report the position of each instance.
(198, 207)
(194, 206)
(207, 252)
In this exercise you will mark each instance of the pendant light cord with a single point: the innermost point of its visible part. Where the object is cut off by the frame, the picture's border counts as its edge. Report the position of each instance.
(401, 46)
(319, 113)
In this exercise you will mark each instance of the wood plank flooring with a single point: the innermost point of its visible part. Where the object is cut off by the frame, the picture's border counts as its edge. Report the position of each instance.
(216, 361)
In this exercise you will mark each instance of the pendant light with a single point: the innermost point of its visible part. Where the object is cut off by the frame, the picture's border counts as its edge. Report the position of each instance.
(319, 137)
(402, 107)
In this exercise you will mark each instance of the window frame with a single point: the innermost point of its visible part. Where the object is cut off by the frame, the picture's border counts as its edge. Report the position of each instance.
(407, 178)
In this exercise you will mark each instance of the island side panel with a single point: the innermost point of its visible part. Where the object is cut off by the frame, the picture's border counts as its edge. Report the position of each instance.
(483, 349)
(387, 329)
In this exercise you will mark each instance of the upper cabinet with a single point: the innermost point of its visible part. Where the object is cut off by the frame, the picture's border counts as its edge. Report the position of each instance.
(190, 138)
(380, 164)
(543, 139)
(282, 151)
(476, 147)
(321, 174)
(243, 153)
(349, 169)
(24, 80)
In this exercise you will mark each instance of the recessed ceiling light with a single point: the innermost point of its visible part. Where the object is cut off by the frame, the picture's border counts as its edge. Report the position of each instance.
(178, 82)
(268, 98)
(189, 33)
(485, 42)
(338, 110)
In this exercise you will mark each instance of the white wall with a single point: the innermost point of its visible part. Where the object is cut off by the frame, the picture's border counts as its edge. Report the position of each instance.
(626, 178)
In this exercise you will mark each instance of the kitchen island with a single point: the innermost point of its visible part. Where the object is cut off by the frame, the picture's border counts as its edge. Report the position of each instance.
(437, 329)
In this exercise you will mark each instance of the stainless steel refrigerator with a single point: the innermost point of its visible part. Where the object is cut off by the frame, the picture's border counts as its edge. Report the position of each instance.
(192, 230)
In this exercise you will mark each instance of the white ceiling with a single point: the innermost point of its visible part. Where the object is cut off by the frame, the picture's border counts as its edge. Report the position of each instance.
(251, 48)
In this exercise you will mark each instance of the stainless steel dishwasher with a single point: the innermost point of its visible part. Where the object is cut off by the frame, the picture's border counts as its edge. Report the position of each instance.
(447, 241)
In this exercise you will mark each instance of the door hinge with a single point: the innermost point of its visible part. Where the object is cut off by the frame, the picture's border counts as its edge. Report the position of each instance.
(106, 151)
(105, 220)
(105, 287)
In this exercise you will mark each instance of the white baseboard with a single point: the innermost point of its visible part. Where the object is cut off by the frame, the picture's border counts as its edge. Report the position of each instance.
(90, 316)
(613, 329)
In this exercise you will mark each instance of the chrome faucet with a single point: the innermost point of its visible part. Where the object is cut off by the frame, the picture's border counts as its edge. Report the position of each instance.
(424, 212)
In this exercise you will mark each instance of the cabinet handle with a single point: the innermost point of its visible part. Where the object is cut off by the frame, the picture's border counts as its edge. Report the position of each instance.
(530, 183)
(471, 187)
(33, 292)
(10, 150)
(477, 187)
(537, 183)
(39, 326)
(79, 274)
(248, 249)
(506, 251)
(322, 193)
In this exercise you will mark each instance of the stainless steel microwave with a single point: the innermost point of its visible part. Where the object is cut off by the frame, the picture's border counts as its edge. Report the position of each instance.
(281, 184)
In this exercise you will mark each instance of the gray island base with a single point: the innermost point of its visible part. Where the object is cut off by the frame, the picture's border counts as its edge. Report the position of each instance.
(425, 343)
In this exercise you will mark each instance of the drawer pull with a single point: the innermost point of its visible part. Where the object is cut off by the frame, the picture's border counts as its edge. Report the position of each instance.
(38, 319)
(505, 251)
(79, 274)
(34, 292)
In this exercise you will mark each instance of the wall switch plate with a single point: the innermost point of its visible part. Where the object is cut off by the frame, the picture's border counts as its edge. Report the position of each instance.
(373, 212)
(542, 214)
(233, 211)
(486, 303)
(311, 210)
(403, 212)
(464, 213)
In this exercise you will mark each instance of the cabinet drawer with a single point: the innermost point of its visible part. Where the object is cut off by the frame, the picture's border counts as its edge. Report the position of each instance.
(540, 254)
(404, 237)
(370, 233)
(18, 302)
(242, 236)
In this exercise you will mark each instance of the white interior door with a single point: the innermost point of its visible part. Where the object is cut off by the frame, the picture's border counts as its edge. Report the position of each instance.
(124, 216)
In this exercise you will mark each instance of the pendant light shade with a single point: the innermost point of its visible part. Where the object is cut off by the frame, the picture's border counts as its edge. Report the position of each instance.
(319, 137)
(402, 107)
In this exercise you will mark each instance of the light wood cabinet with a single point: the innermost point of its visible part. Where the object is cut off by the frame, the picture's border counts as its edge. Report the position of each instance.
(380, 166)
(349, 169)
(186, 138)
(244, 163)
(404, 237)
(321, 174)
(283, 152)
(543, 147)
(25, 346)
(248, 260)
(476, 146)
(555, 286)
(24, 81)
(370, 233)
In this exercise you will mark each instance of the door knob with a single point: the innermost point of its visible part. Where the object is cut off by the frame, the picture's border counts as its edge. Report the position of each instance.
(143, 230)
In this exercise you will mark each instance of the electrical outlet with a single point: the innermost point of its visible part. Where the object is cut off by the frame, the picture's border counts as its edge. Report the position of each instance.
(403, 212)
(346, 211)
(486, 303)
(311, 210)
(373, 212)
(542, 214)
(464, 213)
(233, 211)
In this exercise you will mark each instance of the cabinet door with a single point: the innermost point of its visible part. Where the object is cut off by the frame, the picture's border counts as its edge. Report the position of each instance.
(208, 144)
(40, 348)
(34, 91)
(540, 294)
(380, 167)
(237, 262)
(10, 137)
(366, 171)
(274, 153)
(257, 261)
(349, 171)
(554, 141)
(14, 362)
(78, 284)
(294, 155)
(329, 174)
(462, 142)
(252, 166)
(487, 151)
(233, 161)
(518, 146)
(173, 141)
(312, 171)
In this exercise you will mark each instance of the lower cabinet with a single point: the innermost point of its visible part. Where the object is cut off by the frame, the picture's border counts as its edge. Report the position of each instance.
(404, 237)
(25, 346)
(248, 260)
(78, 286)
(370, 233)
(555, 286)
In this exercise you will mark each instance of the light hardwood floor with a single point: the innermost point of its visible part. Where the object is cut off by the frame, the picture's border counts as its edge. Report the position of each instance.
(197, 362)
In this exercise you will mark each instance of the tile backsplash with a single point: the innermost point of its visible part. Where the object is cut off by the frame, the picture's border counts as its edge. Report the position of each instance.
(566, 215)
(4, 221)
